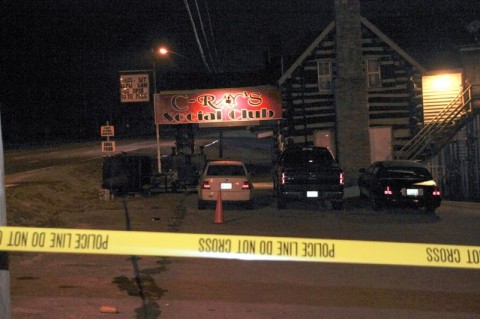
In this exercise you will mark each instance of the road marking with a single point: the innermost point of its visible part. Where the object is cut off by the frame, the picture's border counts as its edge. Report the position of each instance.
(88, 241)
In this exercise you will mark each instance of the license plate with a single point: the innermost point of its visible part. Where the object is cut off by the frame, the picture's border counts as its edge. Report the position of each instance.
(226, 185)
(414, 192)
(312, 194)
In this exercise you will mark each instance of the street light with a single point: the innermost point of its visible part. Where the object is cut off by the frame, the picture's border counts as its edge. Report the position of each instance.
(161, 51)
(165, 51)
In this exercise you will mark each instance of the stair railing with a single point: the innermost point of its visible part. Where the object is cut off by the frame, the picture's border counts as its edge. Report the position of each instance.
(456, 109)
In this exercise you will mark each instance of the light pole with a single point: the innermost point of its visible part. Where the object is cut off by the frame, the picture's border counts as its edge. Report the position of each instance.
(161, 51)
(184, 133)
(157, 126)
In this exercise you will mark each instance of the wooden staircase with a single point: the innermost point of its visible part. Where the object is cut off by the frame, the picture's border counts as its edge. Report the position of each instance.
(441, 129)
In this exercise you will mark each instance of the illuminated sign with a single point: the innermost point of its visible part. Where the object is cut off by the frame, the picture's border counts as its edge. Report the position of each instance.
(134, 88)
(218, 105)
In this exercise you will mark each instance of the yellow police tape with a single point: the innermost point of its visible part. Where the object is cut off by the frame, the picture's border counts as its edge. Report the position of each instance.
(87, 241)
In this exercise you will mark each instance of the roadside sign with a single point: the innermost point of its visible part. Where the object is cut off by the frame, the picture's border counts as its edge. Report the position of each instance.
(108, 146)
(107, 130)
(134, 88)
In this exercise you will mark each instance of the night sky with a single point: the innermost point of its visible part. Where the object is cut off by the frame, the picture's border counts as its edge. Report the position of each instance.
(60, 59)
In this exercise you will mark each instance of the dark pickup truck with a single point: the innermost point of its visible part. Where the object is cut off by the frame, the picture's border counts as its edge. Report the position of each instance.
(308, 173)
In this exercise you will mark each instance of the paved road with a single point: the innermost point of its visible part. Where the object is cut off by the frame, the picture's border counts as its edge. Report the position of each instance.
(260, 289)
(28, 159)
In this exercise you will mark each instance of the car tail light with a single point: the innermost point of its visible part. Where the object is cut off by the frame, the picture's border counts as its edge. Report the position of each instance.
(284, 177)
(206, 185)
(436, 192)
(246, 185)
(388, 191)
(342, 178)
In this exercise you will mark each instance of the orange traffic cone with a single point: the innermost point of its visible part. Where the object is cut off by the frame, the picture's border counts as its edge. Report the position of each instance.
(219, 210)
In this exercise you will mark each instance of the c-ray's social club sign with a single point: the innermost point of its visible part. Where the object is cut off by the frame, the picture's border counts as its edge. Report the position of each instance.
(218, 105)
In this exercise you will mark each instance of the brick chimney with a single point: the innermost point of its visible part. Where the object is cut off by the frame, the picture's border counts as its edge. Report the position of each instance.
(351, 99)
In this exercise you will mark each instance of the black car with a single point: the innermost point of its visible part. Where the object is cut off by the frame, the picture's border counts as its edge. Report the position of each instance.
(399, 183)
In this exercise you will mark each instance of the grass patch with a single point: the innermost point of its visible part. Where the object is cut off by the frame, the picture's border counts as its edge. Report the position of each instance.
(52, 195)
(67, 196)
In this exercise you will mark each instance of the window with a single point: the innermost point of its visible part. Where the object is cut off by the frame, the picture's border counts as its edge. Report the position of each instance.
(226, 170)
(373, 73)
(315, 156)
(373, 169)
(324, 71)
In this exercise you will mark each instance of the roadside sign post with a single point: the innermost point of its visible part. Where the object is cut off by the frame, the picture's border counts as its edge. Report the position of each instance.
(107, 131)
(159, 156)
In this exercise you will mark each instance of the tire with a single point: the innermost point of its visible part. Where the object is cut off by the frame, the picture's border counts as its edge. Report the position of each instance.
(362, 195)
(174, 187)
(275, 190)
(281, 203)
(201, 204)
(375, 203)
(249, 204)
(337, 205)
(430, 209)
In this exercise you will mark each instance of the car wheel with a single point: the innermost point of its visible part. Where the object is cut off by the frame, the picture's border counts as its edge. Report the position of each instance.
(362, 195)
(337, 205)
(430, 209)
(201, 204)
(249, 204)
(275, 190)
(375, 203)
(174, 187)
(281, 203)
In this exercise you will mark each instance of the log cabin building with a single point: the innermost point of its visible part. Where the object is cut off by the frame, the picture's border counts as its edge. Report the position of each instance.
(357, 92)
(353, 85)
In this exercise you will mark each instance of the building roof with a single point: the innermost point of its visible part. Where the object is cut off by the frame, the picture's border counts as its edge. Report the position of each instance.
(329, 29)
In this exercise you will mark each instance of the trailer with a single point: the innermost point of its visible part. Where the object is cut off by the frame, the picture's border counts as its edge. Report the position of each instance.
(125, 174)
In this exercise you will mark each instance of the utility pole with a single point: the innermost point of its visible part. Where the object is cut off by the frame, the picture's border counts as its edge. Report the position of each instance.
(157, 126)
(5, 312)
